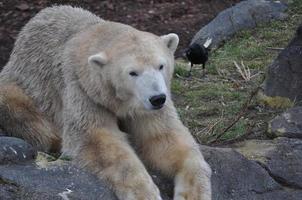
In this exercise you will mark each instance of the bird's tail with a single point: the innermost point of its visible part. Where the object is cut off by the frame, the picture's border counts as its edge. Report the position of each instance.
(208, 43)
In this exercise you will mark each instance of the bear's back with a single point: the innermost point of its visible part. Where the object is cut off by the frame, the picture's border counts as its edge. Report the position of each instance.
(36, 60)
(42, 40)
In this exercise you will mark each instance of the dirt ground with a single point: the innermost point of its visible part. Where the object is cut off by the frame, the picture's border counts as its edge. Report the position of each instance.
(158, 16)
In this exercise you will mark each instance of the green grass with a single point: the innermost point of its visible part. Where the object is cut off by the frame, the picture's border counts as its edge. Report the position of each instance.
(181, 69)
(237, 130)
(207, 105)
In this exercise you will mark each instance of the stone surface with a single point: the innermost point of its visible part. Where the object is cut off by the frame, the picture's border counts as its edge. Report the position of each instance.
(30, 182)
(281, 157)
(234, 177)
(289, 124)
(283, 77)
(237, 178)
(13, 150)
(244, 15)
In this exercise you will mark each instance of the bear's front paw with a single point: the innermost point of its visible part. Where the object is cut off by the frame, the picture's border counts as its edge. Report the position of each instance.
(141, 188)
(193, 182)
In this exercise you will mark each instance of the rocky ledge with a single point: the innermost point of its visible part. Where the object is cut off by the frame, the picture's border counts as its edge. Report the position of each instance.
(254, 169)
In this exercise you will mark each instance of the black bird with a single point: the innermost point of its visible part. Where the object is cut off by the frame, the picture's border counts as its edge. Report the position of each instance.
(198, 54)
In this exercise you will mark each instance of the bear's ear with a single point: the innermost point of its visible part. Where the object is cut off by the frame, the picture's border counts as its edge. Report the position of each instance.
(99, 59)
(171, 40)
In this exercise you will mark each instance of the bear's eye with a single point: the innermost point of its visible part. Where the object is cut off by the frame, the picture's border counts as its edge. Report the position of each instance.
(161, 67)
(133, 73)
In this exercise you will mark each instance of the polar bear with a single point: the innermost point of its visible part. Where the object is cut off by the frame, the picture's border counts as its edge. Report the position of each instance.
(86, 86)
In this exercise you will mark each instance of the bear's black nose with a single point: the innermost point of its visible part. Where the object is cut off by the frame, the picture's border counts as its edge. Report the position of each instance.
(158, 101)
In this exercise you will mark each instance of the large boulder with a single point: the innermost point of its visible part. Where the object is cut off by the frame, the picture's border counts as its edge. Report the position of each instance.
(244, 15)
(284, 75)
(59, 181)
(281, 157)
(234, 177)
(289, 124)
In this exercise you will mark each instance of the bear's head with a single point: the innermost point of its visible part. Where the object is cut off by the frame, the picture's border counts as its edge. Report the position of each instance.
(137, 68)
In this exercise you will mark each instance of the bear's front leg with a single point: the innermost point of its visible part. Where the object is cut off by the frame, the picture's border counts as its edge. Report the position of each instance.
(167, 145)
(107, 153)
(192, 181)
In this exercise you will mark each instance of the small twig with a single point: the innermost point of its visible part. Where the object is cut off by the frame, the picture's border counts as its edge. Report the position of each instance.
(198, 79)
(197, 68)
(239, 70)
(238, 82)
(256, 74)
(241, 137)
(182, 78)
(275, 48)
(188, 79)
(211, 128)
(243, 70)
(246, 70)
(241, 113)
(197, 122)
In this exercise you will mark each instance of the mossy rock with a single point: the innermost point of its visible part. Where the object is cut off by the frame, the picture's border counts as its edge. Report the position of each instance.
(276, 102)
(289, 124)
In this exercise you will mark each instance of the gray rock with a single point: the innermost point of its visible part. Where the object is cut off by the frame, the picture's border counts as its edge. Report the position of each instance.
(234, 177)
(284, 75)
(231, 169)
(32, 182)
(281, 157)
(289, 124)
(237, 178)
(13, 150)
(244, 15)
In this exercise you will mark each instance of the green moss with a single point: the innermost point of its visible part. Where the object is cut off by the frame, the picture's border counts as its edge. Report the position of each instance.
(275, 102)
(256, 150)
(65, 158)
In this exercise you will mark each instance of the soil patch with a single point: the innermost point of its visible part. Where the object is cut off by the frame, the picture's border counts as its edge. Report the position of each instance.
(160, 17)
